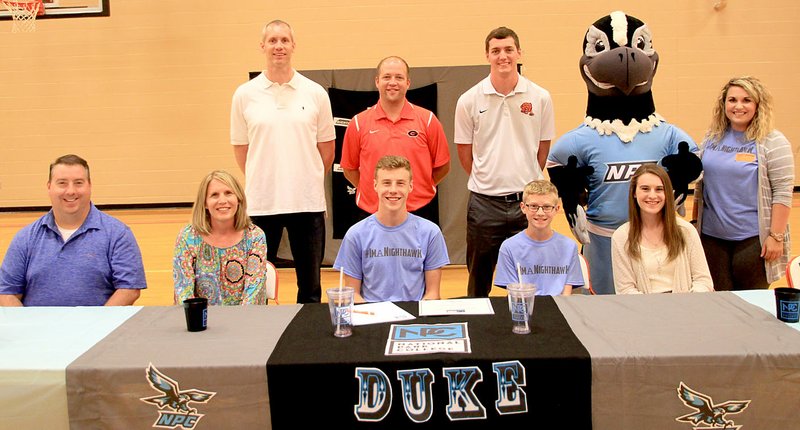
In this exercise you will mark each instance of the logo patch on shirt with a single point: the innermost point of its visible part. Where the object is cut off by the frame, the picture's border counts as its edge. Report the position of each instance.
(526, 108)
(745, 157)
(622, 172)
(413, 133)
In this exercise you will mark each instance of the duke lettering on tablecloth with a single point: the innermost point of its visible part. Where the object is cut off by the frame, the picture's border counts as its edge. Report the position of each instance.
(443, 390)
(375, 392)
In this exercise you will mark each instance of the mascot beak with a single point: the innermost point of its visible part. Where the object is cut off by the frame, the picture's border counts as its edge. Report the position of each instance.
(623, 68)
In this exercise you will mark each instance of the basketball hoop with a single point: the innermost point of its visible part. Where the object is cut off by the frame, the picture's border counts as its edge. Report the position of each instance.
(24, 13)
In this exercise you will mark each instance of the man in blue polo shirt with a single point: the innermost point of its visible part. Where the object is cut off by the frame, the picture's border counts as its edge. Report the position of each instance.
(74, 255)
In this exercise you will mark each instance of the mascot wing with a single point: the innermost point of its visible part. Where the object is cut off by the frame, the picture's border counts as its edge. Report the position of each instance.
(683, 168)
(572, 183)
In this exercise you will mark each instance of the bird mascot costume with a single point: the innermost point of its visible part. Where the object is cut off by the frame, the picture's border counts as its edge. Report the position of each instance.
(621, 132)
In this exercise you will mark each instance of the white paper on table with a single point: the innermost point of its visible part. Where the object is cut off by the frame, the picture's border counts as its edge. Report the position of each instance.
(374, 313)
(480, 306)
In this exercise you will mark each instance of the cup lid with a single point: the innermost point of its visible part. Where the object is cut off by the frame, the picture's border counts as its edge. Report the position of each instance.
(521, 287)
(343, 291)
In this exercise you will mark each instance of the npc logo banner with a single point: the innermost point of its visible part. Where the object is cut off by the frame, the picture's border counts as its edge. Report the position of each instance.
(413, 339)
(174, 404)
(705, 413)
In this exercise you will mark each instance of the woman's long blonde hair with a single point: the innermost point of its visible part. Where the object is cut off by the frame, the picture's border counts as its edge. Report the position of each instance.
(672, 235)
(201, 220)
(759, 127)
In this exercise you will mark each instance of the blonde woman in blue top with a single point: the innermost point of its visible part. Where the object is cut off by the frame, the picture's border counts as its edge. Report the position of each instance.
(221, 255)
(745, 195)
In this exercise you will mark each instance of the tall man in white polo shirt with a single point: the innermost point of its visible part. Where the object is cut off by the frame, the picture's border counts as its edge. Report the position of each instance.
(283, 140)
(503, 129)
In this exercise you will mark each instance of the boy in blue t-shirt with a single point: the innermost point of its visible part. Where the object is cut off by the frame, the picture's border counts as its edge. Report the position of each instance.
(545, 258)
(393, 255)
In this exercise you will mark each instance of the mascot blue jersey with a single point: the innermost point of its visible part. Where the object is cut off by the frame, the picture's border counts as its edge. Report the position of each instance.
(614, 163)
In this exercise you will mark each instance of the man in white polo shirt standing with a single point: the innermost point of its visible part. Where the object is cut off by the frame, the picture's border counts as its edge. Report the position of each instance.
(503, 129)
(283, 140)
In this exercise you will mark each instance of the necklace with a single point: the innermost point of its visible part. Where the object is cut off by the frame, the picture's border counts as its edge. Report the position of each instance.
(647, 239)
(659, 261)
(657, 252)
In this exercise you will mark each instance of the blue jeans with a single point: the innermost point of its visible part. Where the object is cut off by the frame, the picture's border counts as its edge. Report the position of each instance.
(306, 239)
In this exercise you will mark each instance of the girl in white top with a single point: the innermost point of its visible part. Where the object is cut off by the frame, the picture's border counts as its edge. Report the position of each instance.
(655, 251)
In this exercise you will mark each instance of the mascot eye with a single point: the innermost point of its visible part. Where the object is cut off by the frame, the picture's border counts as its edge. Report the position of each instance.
(643, 40)
(599, 46)
(596, 42)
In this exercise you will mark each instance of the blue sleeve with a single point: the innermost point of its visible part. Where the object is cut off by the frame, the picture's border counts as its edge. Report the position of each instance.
(574, 275)
(506, 268)
(15, 265)
(127, 270)
(560, 152)
(436, 256)
(349, 257)
(682, 136)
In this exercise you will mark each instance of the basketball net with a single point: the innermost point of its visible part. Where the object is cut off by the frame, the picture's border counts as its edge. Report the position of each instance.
(24, 13)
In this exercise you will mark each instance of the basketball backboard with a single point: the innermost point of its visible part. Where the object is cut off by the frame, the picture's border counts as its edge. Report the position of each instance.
(68, 9)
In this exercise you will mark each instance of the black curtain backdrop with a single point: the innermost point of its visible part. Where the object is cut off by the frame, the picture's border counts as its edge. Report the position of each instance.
(450, 83)
(345, 105)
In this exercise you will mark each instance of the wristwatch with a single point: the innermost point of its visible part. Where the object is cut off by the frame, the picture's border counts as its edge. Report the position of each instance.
(777, 236)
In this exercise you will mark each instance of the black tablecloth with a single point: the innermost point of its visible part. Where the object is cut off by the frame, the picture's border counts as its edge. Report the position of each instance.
(312, 375)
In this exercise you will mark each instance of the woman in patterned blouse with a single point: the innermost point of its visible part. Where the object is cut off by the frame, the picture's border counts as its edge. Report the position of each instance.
(221, 255)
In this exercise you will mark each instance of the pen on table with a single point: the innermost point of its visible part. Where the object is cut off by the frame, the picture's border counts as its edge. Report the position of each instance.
(363, 312)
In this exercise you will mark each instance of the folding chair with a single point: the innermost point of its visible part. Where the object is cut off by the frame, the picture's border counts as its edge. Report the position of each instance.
(793, 271)
(272, 283)
(587, 282)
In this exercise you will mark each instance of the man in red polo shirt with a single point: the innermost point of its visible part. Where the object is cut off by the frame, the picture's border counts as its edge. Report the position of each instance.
(396, 127)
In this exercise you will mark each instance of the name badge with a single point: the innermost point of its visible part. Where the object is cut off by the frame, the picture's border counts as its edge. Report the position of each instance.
(745, 157)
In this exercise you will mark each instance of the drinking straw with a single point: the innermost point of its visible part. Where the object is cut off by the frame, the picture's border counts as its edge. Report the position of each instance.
(341, 281)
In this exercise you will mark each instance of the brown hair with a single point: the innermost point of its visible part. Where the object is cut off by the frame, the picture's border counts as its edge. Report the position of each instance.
(276, 23)
(502, 33)
(672, 235)
(69, 160)
(200, 218)
(759, 127)
(391, 162)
